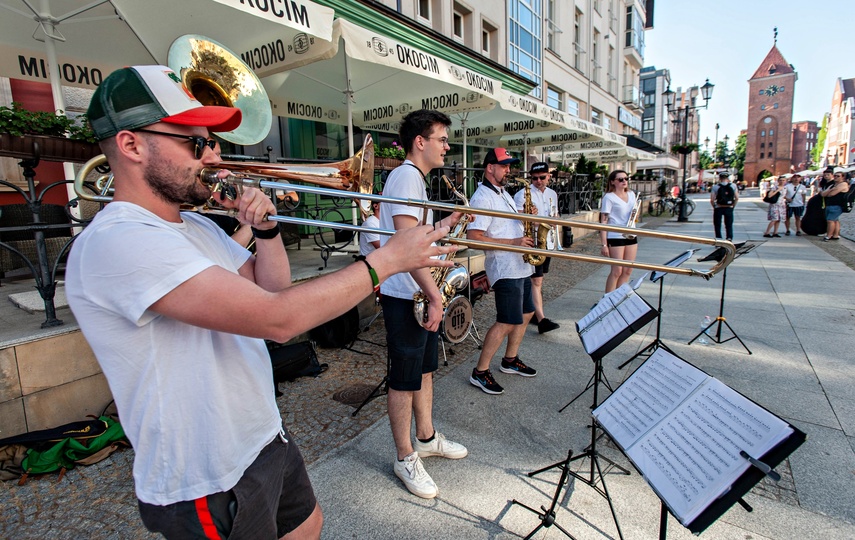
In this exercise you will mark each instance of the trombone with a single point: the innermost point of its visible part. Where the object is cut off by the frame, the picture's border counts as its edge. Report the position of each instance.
(236, 181)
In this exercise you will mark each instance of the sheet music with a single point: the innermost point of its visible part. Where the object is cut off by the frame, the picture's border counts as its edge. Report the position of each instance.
(684, 430)
(612, 314)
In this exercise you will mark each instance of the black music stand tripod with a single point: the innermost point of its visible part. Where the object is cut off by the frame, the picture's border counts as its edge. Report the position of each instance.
(660, 277)
(717, 255)
(595, 477)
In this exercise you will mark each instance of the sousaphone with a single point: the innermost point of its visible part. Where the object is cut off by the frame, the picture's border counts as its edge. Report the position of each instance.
(217, 76)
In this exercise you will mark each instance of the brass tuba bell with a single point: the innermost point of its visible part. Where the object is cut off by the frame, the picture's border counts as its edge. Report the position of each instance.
(217, 76)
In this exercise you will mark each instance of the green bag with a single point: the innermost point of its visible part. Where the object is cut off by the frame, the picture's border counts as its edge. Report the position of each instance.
(68, 452)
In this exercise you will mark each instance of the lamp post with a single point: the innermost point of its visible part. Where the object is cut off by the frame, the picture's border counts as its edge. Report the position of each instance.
(725, 159)
(683, 115)
(707, 145)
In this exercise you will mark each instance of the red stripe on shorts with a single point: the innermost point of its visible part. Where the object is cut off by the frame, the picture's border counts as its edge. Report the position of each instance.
(205, 519)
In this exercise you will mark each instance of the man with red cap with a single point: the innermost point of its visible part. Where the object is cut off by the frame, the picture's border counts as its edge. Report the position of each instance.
(177, 313)
(508, 273)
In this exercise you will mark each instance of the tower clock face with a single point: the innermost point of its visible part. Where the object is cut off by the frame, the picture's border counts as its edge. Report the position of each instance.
(773, 90)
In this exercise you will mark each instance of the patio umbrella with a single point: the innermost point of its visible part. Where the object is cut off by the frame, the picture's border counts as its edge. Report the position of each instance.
(359, 77)
(82, 41)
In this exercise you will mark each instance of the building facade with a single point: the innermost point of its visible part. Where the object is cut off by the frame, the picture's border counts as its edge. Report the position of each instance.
(840, 137)
(768, 147)
(804, 141)
(583, 56)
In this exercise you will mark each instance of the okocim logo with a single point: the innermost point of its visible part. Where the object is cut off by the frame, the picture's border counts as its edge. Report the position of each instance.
(301, 43)
(379, 47)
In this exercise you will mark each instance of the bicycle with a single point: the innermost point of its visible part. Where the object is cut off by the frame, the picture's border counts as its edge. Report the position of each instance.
(671, 205)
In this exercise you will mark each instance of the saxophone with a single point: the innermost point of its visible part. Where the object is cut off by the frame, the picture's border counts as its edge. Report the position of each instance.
(539, 236)
(449, 280)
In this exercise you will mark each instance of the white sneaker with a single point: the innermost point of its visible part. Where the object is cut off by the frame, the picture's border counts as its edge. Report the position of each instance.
(440, 446)
(412, 473)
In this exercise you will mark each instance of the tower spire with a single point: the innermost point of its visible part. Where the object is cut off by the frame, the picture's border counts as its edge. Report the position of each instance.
(776, 36)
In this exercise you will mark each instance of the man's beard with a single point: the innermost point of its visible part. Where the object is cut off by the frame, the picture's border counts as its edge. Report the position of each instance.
(163, 180)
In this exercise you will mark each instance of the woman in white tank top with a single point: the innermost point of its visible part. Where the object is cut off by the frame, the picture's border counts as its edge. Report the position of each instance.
(615, 209)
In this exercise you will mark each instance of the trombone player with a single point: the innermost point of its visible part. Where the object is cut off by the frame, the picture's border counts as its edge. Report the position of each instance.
(508, 273)
(192, 383)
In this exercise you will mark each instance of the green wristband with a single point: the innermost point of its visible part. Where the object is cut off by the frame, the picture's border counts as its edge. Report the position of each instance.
(374, 279)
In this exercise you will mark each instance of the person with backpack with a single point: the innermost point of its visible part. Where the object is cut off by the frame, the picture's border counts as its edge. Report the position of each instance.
(723, 198)
(835, 200)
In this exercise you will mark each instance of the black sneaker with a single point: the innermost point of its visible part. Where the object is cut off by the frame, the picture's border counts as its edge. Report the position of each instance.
(515, 366)
(787, 233)
(485, 381)
(545, 325)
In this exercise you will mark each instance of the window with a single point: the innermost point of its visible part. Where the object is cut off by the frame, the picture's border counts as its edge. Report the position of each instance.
(762, 145)
(610, 70)
(771, 132)
(573, 107)
(762, 93)
(596, 117)
(775, 106)
(424, 9)
(761, 155)
(762, 107)
(577, 40)
(649, 100)
(763, 133)
(552, 31)
(595, 59)
(555, 98)
(607, 123)
(489, 40)
(524, 35)
(634, 30)
(647, 125)
(457, 24)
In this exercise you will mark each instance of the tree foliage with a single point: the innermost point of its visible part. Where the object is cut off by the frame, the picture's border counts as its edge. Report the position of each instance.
(816, 153)
(737, 158)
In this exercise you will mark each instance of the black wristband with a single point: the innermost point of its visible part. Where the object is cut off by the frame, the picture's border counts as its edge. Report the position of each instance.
(266, 234)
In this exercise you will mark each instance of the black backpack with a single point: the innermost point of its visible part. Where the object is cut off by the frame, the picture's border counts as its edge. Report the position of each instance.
(725, 195)
(849, 199)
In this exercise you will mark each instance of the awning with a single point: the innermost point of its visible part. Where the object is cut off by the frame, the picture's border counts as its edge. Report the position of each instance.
(634, 141)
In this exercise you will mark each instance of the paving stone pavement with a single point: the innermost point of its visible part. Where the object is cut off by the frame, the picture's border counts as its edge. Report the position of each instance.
(99, 502)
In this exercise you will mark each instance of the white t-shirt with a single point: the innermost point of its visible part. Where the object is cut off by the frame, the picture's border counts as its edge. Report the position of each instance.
(546, 201)
(499, 264)
(405, 182)
(617, 210)
(796, 194)
(365, 237)
(197, 405)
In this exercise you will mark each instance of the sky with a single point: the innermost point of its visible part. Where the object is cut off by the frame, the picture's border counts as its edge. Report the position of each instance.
(725, 41)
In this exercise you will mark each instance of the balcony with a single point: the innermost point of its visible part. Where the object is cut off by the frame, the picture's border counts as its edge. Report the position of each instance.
(631, 97)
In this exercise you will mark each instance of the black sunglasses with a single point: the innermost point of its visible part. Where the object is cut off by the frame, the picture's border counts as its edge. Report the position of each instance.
(199, 142)
(544, 177)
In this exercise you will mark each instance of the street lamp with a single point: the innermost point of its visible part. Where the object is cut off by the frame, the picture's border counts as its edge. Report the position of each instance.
(707, 145)
(725, 159)
(683, 115)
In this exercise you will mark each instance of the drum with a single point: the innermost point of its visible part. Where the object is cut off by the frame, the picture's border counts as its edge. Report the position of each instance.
(457, 320)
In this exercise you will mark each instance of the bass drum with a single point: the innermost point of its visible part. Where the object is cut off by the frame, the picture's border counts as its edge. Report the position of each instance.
(813, 221)
(457, 320)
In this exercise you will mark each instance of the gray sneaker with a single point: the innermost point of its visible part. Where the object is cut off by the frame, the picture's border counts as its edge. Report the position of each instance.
(412, 473)
(440, 446)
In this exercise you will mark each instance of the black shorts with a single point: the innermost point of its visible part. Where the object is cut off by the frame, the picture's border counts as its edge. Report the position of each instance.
(617, 242)
(542, 268)
(272, 498)
(513, 300)
(413, 351)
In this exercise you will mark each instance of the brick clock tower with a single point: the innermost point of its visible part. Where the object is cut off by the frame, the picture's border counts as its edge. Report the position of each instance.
(770, 117)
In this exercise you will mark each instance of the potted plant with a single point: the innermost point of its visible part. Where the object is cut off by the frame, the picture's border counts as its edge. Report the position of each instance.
(389, 156)
(55, 137)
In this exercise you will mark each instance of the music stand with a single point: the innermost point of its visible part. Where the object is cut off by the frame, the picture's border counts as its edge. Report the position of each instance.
(616, 317)
(660, 277)
(718, 255)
